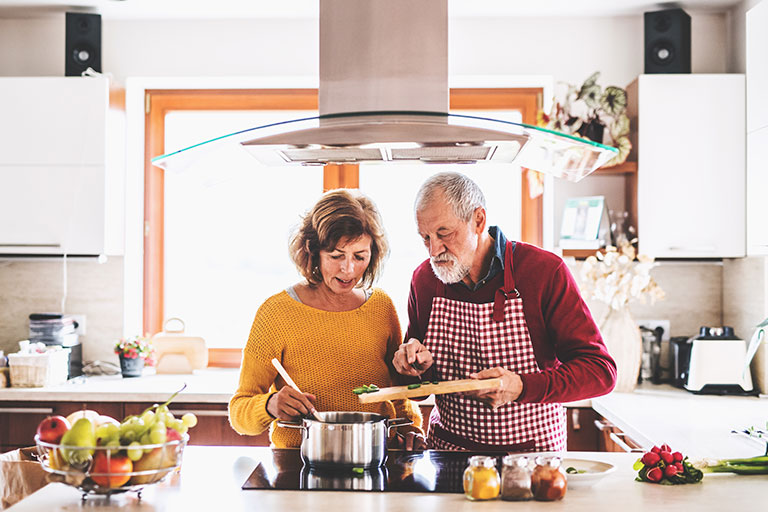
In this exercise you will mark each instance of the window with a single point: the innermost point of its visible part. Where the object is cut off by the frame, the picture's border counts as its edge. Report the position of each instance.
(216, 242)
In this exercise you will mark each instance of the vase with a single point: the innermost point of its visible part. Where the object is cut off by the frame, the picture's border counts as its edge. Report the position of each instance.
(625, 344)
(131, 366)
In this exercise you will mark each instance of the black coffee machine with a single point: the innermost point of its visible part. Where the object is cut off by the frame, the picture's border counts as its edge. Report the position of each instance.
(58, 329)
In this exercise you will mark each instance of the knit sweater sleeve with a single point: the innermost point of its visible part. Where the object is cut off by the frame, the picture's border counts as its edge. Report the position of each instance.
(248, 407)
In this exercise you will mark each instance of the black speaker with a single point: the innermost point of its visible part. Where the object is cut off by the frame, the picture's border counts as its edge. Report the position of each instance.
(83, 43)
(667, 41)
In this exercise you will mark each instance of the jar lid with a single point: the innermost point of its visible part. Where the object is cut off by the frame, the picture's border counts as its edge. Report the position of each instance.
(485, 461)
(515, 460)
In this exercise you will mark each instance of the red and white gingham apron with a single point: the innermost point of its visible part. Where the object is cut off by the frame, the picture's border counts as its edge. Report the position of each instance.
(465, 338)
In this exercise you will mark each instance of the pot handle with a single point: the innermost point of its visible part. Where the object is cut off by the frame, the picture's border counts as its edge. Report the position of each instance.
(397, 422)
(291, 424)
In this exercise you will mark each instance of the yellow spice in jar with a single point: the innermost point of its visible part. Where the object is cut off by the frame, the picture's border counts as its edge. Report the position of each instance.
(481, 483)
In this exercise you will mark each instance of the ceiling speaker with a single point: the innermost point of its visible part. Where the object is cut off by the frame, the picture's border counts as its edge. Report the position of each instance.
(83, 43)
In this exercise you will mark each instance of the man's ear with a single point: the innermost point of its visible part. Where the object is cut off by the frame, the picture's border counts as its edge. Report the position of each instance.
(478, 219)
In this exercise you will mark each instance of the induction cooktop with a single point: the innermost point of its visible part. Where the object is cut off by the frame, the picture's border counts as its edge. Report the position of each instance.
(418, 471)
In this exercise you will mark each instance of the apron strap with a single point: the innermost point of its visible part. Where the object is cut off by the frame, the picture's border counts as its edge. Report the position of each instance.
(470, 445)
(503, 293)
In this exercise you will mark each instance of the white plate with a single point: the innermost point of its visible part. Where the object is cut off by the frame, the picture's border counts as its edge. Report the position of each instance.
(595, 471)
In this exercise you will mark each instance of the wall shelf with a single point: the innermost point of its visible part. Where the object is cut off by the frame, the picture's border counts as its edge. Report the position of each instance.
(625, 168)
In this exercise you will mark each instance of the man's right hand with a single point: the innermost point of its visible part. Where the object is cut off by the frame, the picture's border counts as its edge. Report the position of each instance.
(289, 404)
(412, 358)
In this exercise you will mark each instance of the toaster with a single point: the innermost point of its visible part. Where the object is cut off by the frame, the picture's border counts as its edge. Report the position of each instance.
(716, 364)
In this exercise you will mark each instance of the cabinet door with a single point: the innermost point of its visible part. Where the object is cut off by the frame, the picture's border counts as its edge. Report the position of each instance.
(691, 166)
(757, 67)
(19, 423)
(757, 192)
(583, 436)
(612, 439)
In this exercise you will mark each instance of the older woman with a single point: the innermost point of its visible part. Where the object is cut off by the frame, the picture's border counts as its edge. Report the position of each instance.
(331, 332)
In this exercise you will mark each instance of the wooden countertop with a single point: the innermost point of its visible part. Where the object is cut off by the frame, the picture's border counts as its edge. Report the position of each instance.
(211, 478)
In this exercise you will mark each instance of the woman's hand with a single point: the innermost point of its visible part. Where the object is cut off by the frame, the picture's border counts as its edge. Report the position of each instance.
(289, 404)
(409, 441)
(510, 389)
(412, 358)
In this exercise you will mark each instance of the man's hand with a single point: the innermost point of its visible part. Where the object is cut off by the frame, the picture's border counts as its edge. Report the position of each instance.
(510, 389)
(289, 404)
(410, 441)
(412, 358)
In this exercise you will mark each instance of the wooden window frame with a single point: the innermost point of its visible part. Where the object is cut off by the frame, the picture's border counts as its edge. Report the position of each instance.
(160, 102)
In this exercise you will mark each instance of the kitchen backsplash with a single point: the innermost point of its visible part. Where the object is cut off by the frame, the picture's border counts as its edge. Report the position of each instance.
(732, 292)
(35, 285)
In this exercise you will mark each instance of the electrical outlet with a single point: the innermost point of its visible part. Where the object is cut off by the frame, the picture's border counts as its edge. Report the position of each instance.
(653, 324)
(80, 319)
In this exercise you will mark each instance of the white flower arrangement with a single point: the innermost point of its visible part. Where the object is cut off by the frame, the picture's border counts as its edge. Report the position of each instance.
(615, 278)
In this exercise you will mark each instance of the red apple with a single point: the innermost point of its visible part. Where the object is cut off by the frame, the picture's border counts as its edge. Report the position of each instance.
(52, 428)
(172, 435)
(118, 467)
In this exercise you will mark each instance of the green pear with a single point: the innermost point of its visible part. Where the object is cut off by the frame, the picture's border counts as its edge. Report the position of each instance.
(82, 434)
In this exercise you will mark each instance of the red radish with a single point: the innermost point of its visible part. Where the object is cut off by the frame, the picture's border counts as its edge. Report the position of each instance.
(655, 474)
(677, 456)
(667, 457)
(670, 471)
(665, 448)
(655, 449)
(650, 459)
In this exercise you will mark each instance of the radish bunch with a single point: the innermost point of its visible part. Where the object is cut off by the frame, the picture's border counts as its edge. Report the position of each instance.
(663, 466)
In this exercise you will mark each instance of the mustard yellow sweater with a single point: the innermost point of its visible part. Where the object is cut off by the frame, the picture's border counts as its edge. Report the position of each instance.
(326, 353)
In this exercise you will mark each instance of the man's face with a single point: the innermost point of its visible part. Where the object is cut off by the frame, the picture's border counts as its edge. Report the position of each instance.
(450, 241)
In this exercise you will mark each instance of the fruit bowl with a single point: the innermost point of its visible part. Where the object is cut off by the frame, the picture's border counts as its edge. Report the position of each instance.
(110, 470)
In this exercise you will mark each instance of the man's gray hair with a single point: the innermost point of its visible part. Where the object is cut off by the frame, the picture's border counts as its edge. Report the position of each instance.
(460, 192)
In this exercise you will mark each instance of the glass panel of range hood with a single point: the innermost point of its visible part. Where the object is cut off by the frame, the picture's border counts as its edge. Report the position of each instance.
(406, 137)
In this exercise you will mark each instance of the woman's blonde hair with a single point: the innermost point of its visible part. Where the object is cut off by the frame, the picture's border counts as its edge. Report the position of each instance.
(340, 213)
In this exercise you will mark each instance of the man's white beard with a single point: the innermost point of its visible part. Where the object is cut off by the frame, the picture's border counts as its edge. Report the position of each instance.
(452, 274)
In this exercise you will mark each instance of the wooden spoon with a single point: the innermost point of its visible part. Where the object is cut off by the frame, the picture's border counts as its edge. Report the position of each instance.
(289, 381)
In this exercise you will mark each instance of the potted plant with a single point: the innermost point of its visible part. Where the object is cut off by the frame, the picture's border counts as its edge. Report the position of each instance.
(593, 113)
(134, 353)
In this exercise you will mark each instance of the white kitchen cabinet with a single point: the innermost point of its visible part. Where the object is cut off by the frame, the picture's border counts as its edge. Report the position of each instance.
(53, 170)
(691, 164)
(757, 66)
(757, 192)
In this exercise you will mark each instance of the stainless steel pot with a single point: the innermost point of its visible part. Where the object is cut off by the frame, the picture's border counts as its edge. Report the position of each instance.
(374, 479)
(345, 439)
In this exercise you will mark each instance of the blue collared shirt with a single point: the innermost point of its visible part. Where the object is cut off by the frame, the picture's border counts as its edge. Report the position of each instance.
(497, 260)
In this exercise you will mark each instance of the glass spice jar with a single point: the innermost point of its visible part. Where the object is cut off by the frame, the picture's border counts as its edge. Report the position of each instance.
(515, 478)
(481, 479)
(548, 480)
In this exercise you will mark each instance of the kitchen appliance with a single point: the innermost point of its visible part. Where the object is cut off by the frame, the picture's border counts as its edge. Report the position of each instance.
(57, 329)
(404, 471)
(716, 363)
(384, 98)
(345, 439)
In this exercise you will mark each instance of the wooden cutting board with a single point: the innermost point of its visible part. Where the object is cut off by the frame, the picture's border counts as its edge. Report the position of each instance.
(441, 388)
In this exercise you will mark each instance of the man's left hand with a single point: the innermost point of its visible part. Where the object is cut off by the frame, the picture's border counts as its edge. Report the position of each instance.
(510, 389)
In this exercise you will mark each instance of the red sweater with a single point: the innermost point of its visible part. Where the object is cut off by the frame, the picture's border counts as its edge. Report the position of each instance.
(574, 362)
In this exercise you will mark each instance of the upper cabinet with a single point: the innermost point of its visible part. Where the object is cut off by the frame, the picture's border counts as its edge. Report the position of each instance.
(757, 66)
(690, 148)
(53, 166)
(757, 129)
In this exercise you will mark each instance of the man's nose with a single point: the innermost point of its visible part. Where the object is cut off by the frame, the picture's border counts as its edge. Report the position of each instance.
(435, 247)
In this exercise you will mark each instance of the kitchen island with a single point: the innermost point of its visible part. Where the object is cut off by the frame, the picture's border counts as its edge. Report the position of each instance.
(211, 479)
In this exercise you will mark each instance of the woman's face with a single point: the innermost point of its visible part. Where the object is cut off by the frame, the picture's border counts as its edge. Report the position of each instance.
(343, 267)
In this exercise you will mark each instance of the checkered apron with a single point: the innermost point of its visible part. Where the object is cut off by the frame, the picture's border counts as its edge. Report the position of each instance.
(465, 338)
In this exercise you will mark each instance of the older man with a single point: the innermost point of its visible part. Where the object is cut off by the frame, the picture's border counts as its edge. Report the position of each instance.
(482, 306)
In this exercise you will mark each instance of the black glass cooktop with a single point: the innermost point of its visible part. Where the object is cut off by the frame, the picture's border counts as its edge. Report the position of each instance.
(424, 471)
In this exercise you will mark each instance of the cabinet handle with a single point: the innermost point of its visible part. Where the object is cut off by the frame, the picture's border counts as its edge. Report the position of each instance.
(30, 245)
(575, 419)
(706, 248)
(615, 437)
(29, 410)
(602, 425)
(200, 412)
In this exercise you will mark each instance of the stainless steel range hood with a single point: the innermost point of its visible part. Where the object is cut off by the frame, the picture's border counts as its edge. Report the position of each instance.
(383, 98)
